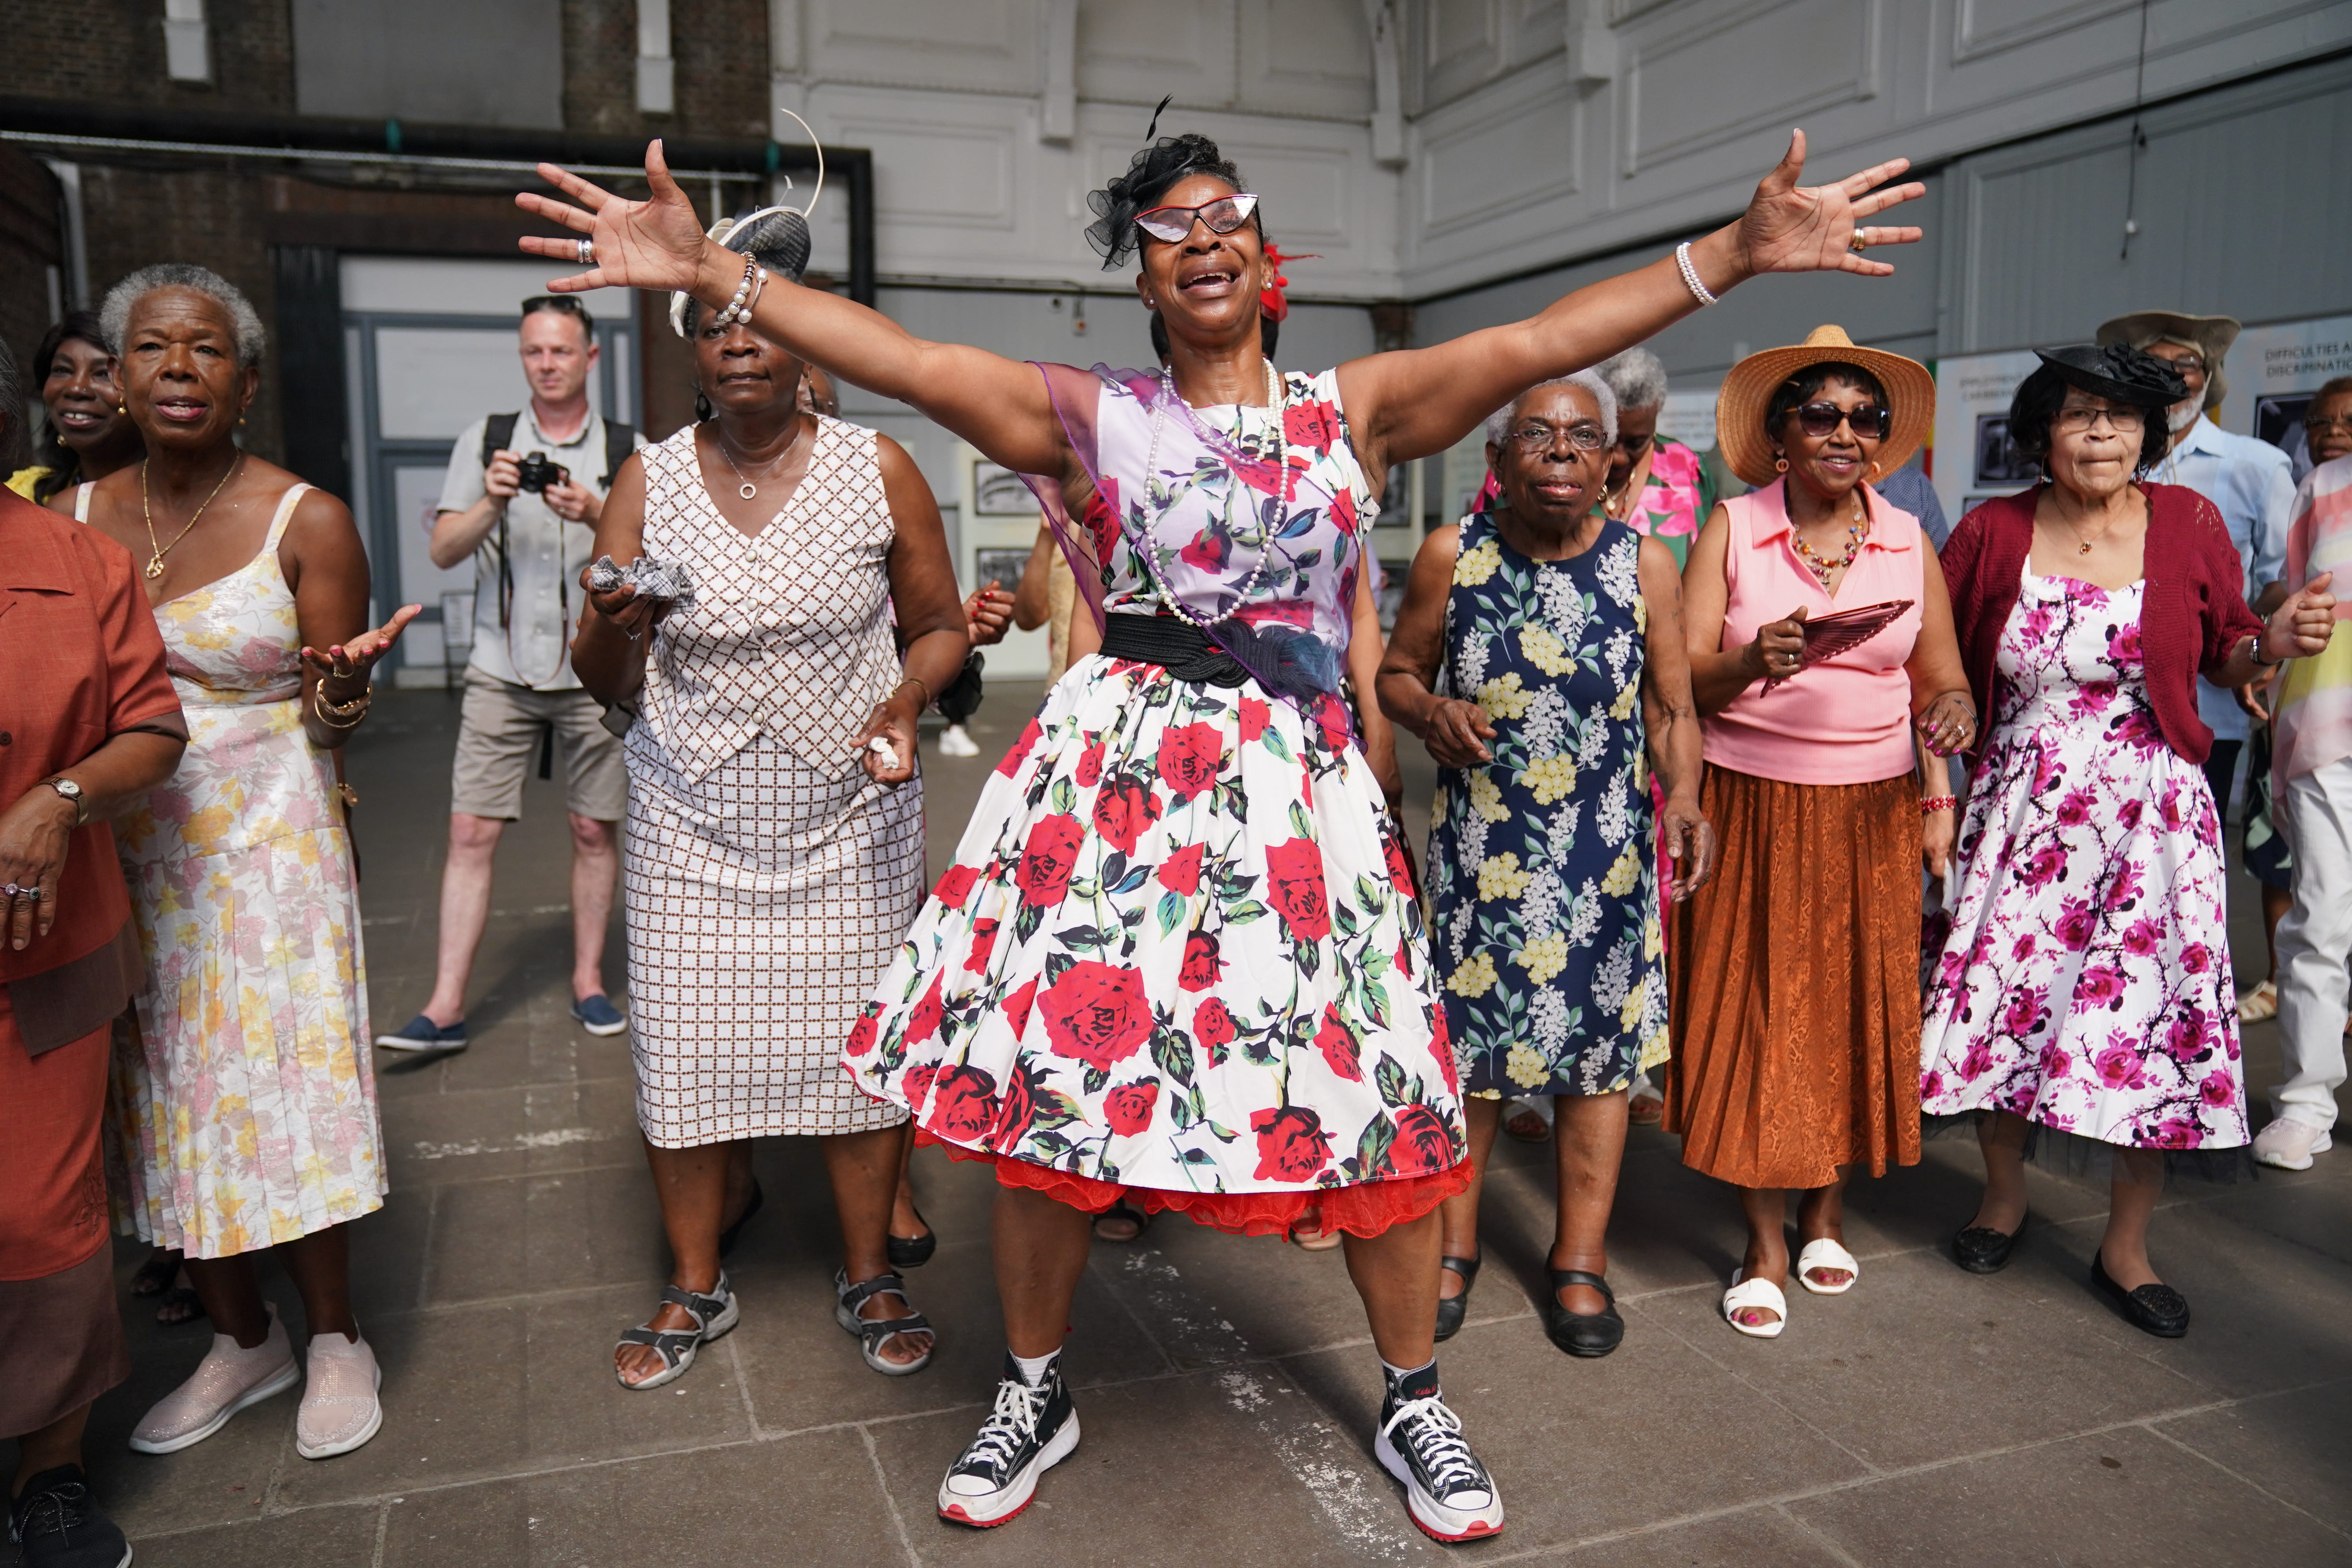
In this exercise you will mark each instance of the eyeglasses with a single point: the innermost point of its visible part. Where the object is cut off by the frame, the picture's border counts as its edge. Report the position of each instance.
(2122, 421)
(1869, 421)
(2341, 423)
(1535, 436)
(1222, 215)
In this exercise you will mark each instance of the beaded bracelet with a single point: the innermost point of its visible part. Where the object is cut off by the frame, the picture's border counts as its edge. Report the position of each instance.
(735, 311)
(1930, 805)
(1690, 273)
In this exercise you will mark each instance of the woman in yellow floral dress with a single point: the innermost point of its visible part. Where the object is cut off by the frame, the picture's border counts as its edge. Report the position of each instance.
(1539, 655)
(250, 1115)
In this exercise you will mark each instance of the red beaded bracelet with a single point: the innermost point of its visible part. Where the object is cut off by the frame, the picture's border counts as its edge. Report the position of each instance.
(1935, 802)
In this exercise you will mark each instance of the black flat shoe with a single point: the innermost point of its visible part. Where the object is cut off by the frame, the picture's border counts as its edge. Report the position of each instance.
(913, 1251)
(1586, 1334)
(726, 1237)
(2157, 1310)
(1451, 1310)
(1980, 1249)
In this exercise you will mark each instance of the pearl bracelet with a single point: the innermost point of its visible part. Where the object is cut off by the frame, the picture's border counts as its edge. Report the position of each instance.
(736, 310)
(1690, 273)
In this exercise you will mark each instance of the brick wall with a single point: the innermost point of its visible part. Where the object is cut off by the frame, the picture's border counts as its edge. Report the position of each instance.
(30, 245)
(722, 50)
(113, 51)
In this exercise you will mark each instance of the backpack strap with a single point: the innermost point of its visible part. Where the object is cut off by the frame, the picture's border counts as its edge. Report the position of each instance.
(620, 440)
(498, 434)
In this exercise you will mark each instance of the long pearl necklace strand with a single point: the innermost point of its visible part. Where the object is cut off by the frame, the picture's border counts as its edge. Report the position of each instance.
(1275, 401)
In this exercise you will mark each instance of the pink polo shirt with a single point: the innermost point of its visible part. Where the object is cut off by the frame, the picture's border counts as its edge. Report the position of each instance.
(1846, 720)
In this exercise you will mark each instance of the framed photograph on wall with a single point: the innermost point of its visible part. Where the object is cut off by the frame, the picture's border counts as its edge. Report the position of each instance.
(997, 491)
(1002, 566)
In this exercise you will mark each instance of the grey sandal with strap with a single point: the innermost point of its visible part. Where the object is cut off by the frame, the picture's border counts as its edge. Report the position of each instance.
(874, 1332)
(713, 1315)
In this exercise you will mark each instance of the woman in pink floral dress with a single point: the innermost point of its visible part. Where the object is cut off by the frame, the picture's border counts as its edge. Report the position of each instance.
(1177, 954)
(2084, 996)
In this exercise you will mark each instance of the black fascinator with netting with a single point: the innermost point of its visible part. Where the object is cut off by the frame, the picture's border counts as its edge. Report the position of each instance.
(1149, 175)
(777, 237)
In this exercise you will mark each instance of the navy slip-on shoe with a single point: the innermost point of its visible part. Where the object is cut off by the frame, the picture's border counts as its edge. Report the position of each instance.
(598, 1016)
(421, 1034)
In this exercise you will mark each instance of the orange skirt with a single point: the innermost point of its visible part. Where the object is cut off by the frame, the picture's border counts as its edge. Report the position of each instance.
(1361, 1209)
(1795, 984)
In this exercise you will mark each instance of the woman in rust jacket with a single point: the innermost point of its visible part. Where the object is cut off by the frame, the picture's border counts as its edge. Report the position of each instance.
(2084, 998)
(88, 721)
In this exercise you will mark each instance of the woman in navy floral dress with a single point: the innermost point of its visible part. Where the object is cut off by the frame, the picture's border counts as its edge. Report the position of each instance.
(1539, 654)
(1229, 500)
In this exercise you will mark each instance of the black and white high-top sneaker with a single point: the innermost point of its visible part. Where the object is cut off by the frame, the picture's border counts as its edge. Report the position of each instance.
(1447, 1490)
(1031, 1430)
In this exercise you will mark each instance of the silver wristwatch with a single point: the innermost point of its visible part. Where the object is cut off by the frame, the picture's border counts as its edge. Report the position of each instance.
(72, 792)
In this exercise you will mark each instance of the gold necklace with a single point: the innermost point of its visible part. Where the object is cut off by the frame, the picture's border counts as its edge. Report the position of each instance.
(146, 509)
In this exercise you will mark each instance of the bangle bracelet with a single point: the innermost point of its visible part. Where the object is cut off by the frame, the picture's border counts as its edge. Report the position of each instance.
(2254, 652)
(1929, 804)
(342, 716)
(1690, 275)
(917, 684)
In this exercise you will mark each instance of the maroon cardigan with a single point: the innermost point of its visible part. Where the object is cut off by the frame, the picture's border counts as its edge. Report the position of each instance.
(2193, 616)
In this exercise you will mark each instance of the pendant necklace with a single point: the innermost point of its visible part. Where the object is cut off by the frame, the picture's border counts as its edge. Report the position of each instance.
(146, 509)
(745, 487)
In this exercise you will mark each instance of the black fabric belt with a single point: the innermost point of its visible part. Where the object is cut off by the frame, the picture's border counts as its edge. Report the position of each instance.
(1178, 647)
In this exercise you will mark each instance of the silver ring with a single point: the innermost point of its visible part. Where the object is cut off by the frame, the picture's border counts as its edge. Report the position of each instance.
(12, 891)
(587, 253)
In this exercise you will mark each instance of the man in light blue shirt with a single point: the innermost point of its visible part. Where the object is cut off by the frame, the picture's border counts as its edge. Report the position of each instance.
(2250, 482)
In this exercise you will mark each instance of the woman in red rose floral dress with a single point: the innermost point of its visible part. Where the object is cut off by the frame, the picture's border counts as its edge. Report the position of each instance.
(1178, 955)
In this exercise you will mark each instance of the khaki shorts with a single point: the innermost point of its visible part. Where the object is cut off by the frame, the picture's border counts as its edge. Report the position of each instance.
(500, 732)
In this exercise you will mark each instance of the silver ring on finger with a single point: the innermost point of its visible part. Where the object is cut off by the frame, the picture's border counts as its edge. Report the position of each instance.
(10, 891)
(588, 253)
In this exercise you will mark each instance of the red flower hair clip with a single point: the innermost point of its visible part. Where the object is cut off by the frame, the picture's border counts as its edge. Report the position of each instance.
(1271, 302)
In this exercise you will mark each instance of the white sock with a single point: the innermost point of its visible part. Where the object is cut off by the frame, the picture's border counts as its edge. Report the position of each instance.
(1035, 1367)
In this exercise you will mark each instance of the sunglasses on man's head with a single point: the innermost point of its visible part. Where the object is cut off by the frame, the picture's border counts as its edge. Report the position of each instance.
(1222, 215)
(1818, 420)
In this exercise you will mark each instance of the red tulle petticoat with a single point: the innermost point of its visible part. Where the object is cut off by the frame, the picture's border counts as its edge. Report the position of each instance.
(1363, 1208)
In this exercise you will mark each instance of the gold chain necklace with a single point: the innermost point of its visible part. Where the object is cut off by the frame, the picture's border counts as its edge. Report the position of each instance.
(146, 509)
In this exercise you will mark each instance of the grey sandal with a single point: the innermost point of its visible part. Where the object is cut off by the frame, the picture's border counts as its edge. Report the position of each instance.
(713, 1315)
(872, 1334)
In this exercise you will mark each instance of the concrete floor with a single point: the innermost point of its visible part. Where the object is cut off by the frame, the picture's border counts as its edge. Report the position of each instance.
(1228, 1386)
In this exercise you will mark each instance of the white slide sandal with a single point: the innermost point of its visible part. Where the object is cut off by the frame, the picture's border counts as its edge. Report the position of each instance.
(1745, 1294)
(1825, 1253)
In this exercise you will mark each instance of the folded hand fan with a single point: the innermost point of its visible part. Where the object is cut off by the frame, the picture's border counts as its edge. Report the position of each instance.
(1826, 636)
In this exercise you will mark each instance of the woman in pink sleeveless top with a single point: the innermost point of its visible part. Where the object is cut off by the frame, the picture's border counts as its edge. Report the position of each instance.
(1795, 975)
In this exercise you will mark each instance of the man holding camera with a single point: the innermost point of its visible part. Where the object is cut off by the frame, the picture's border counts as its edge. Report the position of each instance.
(522, 498)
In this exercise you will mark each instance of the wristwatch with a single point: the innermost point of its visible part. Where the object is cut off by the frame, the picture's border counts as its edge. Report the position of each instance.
(72, 792)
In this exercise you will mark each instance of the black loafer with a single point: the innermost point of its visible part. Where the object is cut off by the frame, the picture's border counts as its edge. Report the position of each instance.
(913, 1251)
(1451, 1310)
(1586, 1334)
(1980, 1249)
(2157, 1310)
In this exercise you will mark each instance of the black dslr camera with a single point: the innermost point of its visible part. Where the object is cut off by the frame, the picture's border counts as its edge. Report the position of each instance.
(535, 473)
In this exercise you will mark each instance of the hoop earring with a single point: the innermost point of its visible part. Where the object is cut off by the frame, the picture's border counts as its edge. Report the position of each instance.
(1780, 465)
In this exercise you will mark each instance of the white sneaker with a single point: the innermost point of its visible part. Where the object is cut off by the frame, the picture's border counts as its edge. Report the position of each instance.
(226, 1381)
(340, 1411)
(955, 741)
(2288, 1146)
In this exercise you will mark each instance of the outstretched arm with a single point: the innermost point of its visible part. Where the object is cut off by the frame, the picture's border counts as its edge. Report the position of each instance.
(998, 404)
(1412, 403)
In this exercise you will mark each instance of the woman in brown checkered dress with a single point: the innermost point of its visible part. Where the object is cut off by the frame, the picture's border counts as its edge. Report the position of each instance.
(773, 858)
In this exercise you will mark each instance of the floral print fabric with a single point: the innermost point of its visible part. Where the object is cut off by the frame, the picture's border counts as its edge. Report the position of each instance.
(1177, 950)
(1676, 498)
(2085, 983)
(246, 1103)
(1542, 863)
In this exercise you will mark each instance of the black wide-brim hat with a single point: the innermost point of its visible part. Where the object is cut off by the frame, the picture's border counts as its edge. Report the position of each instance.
(2117, 372)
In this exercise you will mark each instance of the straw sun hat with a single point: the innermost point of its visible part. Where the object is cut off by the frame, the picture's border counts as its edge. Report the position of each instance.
(1747, 392)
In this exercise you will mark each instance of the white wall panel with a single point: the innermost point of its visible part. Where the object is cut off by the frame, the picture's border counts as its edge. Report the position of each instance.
(1306, 56)
(1141, 50)
(977, 45)
(1460, 44)
(1487, 160)
(1688, 90)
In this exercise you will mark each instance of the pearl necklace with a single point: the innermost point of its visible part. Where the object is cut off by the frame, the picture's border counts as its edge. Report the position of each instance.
(1276, 401)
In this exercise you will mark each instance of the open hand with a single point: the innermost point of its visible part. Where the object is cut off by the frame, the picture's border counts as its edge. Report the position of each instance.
(2300, 628)
(1811, 228)
(1690, 844)
(652, 244)
(1456, 734)
(347, 663)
